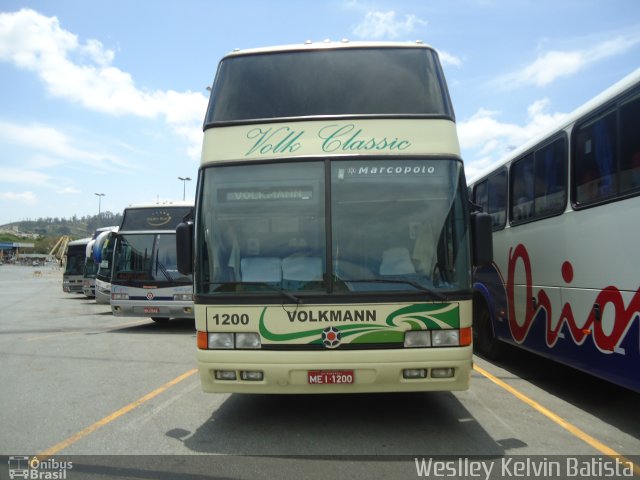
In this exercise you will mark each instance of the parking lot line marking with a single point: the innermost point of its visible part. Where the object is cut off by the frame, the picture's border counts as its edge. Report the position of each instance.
(582, 435)
(117, 414)
(58, 334)
(77, 332)
(127, 324)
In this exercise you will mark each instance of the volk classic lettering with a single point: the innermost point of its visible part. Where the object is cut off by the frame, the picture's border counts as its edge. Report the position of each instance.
(348, 138)
(332, 138)
(270, 140)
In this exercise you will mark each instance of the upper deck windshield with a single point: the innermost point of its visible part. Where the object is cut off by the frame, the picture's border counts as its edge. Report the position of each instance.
(148, 259)
(157, 218)
(396, 225)
(332, 82)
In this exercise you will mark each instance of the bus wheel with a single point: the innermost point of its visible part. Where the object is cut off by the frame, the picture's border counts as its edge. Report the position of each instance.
(160, 319)
(484, 340)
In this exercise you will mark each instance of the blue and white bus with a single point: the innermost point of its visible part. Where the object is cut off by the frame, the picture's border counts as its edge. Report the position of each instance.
(102, 254)
(91, 263)
(565, 210)
(145, 281)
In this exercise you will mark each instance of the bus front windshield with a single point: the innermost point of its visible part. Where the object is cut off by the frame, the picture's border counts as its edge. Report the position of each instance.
(104, 268)
(90, 268)
(147, 258)
(76, 255)
(380, 225)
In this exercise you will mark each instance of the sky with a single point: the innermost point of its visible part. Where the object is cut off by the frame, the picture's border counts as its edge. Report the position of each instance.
(109, 97)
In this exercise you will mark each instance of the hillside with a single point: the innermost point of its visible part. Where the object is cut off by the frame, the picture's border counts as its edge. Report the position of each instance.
(45, 231)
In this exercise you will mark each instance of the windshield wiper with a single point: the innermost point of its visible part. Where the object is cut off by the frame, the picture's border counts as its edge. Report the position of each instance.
(163, 269)
(415, 285)
(270, 286)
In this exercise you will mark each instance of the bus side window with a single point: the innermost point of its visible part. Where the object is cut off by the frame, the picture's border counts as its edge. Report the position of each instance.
(522, 189)
(550, 170)
(491, 195)
(498, 199)
(630, 146)
(595, 160)
(482, 195)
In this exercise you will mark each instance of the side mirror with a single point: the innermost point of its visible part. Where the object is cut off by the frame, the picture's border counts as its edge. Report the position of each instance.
(481, 239)
(184, 247)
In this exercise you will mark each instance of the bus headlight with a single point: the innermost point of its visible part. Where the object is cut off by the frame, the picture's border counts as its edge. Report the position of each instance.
(220, 341)
(445, 338)
(417, 338)
(183, 297)
(443, 372)
(248, 340)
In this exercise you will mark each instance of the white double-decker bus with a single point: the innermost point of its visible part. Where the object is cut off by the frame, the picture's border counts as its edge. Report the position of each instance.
(565, 210)
(145, 281)
(331, 239)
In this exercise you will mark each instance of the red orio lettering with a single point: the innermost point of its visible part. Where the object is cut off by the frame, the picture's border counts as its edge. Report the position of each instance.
(520, 332)
(623, 317)
(593, 326)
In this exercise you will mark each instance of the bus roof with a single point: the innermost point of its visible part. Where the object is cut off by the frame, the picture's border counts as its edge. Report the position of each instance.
(603, 97)
(164, 204)
(326, 45)
(102, 230)
(82, 241)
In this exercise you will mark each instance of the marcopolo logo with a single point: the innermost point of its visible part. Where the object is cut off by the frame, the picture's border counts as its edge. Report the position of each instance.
(386, 170)
(34, 468)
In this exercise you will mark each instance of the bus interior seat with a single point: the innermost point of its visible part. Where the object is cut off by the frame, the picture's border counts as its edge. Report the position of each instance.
(523, 209)
(261, 269)
(396, 261)
(302, 268)
(497, 218)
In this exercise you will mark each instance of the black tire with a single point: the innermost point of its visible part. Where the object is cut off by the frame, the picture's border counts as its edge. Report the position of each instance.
(160, 319)
(484, 340)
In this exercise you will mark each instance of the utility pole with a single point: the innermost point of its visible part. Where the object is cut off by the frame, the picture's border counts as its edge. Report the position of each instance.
(184, 185)
(100, 195)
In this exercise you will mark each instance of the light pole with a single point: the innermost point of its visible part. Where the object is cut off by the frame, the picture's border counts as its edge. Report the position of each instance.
(184, 185)
(100, 195)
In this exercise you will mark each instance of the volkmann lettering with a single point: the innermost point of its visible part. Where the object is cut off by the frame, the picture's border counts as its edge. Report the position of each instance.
(332, 316)
(348, 139)
(268, 195)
